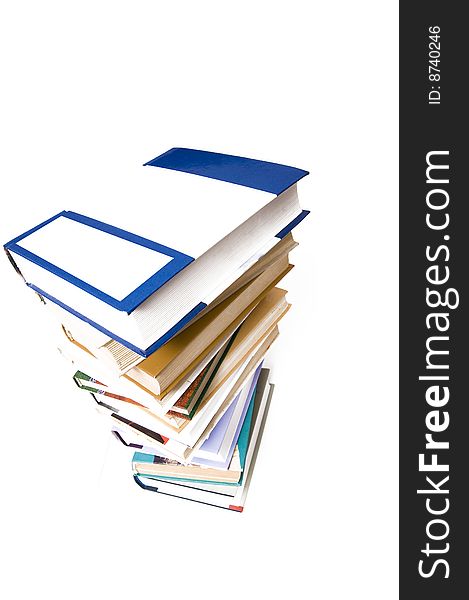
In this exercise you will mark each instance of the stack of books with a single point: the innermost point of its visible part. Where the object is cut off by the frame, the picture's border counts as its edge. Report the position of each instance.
(169, 344)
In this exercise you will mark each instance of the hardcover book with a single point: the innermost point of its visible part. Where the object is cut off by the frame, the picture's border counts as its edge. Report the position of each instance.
(131, 277)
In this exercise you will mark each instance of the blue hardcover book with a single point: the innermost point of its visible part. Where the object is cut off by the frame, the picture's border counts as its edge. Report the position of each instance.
(140, 274)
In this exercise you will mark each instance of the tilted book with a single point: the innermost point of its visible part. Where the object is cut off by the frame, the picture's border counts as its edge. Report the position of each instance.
(131, 275)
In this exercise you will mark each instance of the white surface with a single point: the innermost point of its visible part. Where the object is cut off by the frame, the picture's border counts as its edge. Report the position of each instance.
(157, 192)
(109, 263)
(90, 92)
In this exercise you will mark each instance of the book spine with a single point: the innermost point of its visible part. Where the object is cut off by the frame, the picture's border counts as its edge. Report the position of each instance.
(13, 264)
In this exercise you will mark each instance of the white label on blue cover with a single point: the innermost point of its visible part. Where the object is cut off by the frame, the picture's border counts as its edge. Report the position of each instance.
(109, 263)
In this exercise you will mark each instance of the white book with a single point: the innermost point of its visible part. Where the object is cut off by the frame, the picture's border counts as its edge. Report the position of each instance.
(218, 451)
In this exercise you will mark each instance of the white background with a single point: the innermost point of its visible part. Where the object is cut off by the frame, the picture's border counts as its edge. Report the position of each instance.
(90, 91)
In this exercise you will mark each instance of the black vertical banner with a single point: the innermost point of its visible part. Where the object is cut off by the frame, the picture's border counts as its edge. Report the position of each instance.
(434, 259)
